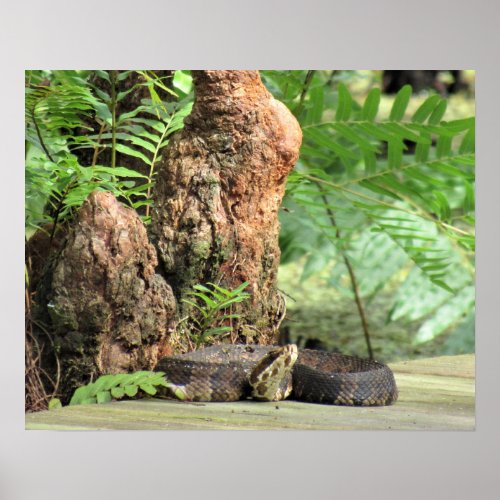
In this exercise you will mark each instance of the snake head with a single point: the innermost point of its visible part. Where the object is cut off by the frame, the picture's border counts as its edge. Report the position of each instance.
(271, 378)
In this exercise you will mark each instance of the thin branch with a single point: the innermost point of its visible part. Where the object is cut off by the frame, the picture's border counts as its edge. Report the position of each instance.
(96, 147)
(305, 88)
(39, 134)
(402, 168)
(112, 77)
(352, 276)
(422, 213)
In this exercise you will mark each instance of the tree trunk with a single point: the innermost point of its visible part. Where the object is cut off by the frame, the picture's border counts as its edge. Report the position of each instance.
(218, 190)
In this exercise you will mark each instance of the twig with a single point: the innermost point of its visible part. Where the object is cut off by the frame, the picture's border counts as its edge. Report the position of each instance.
(352, 276)
(112, 77)
(96, 147)
(39, 134)
(305, 88)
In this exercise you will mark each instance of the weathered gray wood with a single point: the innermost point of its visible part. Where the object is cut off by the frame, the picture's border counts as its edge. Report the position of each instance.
(434, 394)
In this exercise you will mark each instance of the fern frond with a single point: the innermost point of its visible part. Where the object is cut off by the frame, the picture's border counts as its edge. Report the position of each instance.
(116, 386)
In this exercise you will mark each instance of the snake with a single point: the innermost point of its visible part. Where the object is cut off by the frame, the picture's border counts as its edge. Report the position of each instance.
(226, 372)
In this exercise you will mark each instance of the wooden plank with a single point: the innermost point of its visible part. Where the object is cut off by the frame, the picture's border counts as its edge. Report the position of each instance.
(435, 394)
(452, 366)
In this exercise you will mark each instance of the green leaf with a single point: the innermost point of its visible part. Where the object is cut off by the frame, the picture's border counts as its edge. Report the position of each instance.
(226, 303)
(395, 153)
(103, 397)
(469, 200)
(138, 377)
(438, 113)
(55, 404)
(350, 133)
(201, 288)
(132, 152)
(444, 206)
(217, 330)
(130, 390)
(315, 112)
(104, 383)
(456, 126)
(81, 394)
(103, 74)
(417, 174)
(183, 81)
(211, 303)
(443, 147)
(325, 140)
(377, 131)
(193, 304)
(89, 401)
(240, 288)
(448, 169)
(468, 142)
(370, 162)
(403, 132)
(425, 109)
(148, 389)
(344, 104)
(117, 392)
(370, 107)
(223, 291)
(400, 103)
(378, 189)
(117, 171)
(448, 315)
(122, 75)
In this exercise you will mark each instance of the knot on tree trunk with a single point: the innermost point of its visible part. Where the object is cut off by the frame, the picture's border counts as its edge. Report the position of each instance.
(108, 308)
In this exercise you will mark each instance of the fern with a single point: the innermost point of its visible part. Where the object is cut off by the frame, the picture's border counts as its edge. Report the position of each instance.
(418, 193)
(134, 135)
(408, 178)
(56, 183)
(213, 310)
(109, 387)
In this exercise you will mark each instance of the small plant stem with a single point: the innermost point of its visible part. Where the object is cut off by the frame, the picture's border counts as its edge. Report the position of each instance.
(305, 88)
(112, 78)
(330, 78)
(422, 213)
(153, 161)
(39, 134)
(96, 147)
(58, 210)
(352, 276)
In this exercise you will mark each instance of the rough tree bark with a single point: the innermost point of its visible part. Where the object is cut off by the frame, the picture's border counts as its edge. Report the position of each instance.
(109, 311)
(218, 190)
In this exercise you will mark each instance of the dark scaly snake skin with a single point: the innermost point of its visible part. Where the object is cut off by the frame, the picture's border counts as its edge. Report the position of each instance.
(233, 372)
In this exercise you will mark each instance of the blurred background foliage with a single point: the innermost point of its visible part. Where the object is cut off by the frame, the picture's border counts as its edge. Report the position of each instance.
(377, 223)
(384, 186)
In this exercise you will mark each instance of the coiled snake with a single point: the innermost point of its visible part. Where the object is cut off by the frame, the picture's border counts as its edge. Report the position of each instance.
(272, 373)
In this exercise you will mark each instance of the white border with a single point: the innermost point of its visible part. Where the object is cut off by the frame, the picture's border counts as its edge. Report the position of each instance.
(262, 34)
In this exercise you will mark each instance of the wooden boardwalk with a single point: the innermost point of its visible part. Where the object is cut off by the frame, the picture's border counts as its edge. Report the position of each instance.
(434, 394)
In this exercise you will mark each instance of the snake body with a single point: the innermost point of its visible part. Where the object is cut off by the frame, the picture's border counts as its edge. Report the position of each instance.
(272, 373)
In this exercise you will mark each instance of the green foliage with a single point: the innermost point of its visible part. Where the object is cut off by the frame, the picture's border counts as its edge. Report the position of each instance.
(55, 404)
(213, 310)
(390, 189)
(59, 107)
(109, 387)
